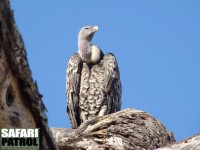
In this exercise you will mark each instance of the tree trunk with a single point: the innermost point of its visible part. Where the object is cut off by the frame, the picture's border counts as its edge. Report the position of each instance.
(20, 102)
(127, 129)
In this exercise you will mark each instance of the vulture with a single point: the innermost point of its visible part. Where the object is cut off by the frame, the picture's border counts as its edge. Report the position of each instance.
(93, 85)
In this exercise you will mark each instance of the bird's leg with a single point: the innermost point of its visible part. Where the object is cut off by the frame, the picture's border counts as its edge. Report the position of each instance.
(103, 110)
(84, 116)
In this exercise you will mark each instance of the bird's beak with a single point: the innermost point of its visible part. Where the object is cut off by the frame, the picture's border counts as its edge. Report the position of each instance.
(95, 28)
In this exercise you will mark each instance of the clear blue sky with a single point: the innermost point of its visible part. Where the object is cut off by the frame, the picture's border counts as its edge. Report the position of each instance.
(157, 45)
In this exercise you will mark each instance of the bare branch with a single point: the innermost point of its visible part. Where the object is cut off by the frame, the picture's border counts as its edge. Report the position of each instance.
(127, 129)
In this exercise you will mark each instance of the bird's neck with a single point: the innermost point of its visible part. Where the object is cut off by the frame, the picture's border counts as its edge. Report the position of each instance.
(84, 50)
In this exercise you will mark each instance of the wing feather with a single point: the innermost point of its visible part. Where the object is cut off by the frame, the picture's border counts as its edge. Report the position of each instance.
(73, 88)
(112, 82)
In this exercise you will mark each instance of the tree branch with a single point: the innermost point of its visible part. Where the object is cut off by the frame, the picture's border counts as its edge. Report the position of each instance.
(191, 143)
(127, 129)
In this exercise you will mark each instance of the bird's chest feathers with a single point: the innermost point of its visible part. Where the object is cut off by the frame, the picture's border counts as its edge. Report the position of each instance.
(92, 86)
(93, 74)
(92, 79)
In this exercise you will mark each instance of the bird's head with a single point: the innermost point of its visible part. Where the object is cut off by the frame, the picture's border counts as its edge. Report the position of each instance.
(87, 32)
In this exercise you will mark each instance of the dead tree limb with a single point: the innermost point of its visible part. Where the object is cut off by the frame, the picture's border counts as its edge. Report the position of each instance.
(191, 143)
(127, 129)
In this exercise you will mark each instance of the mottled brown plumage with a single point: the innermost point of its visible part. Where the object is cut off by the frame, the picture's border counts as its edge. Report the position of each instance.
(93, 83)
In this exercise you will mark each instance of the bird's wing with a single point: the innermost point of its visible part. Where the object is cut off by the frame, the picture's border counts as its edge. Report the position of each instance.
(73, 88)
(112, 82)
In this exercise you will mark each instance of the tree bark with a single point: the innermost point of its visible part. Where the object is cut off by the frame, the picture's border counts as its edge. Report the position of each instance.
(191, 143)
(21, 105)
(127, 129)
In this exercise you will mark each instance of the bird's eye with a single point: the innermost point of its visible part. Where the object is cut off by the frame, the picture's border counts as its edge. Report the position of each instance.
(86, 28)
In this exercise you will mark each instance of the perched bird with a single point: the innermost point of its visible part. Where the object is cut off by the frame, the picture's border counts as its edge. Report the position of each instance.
(93, 81)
